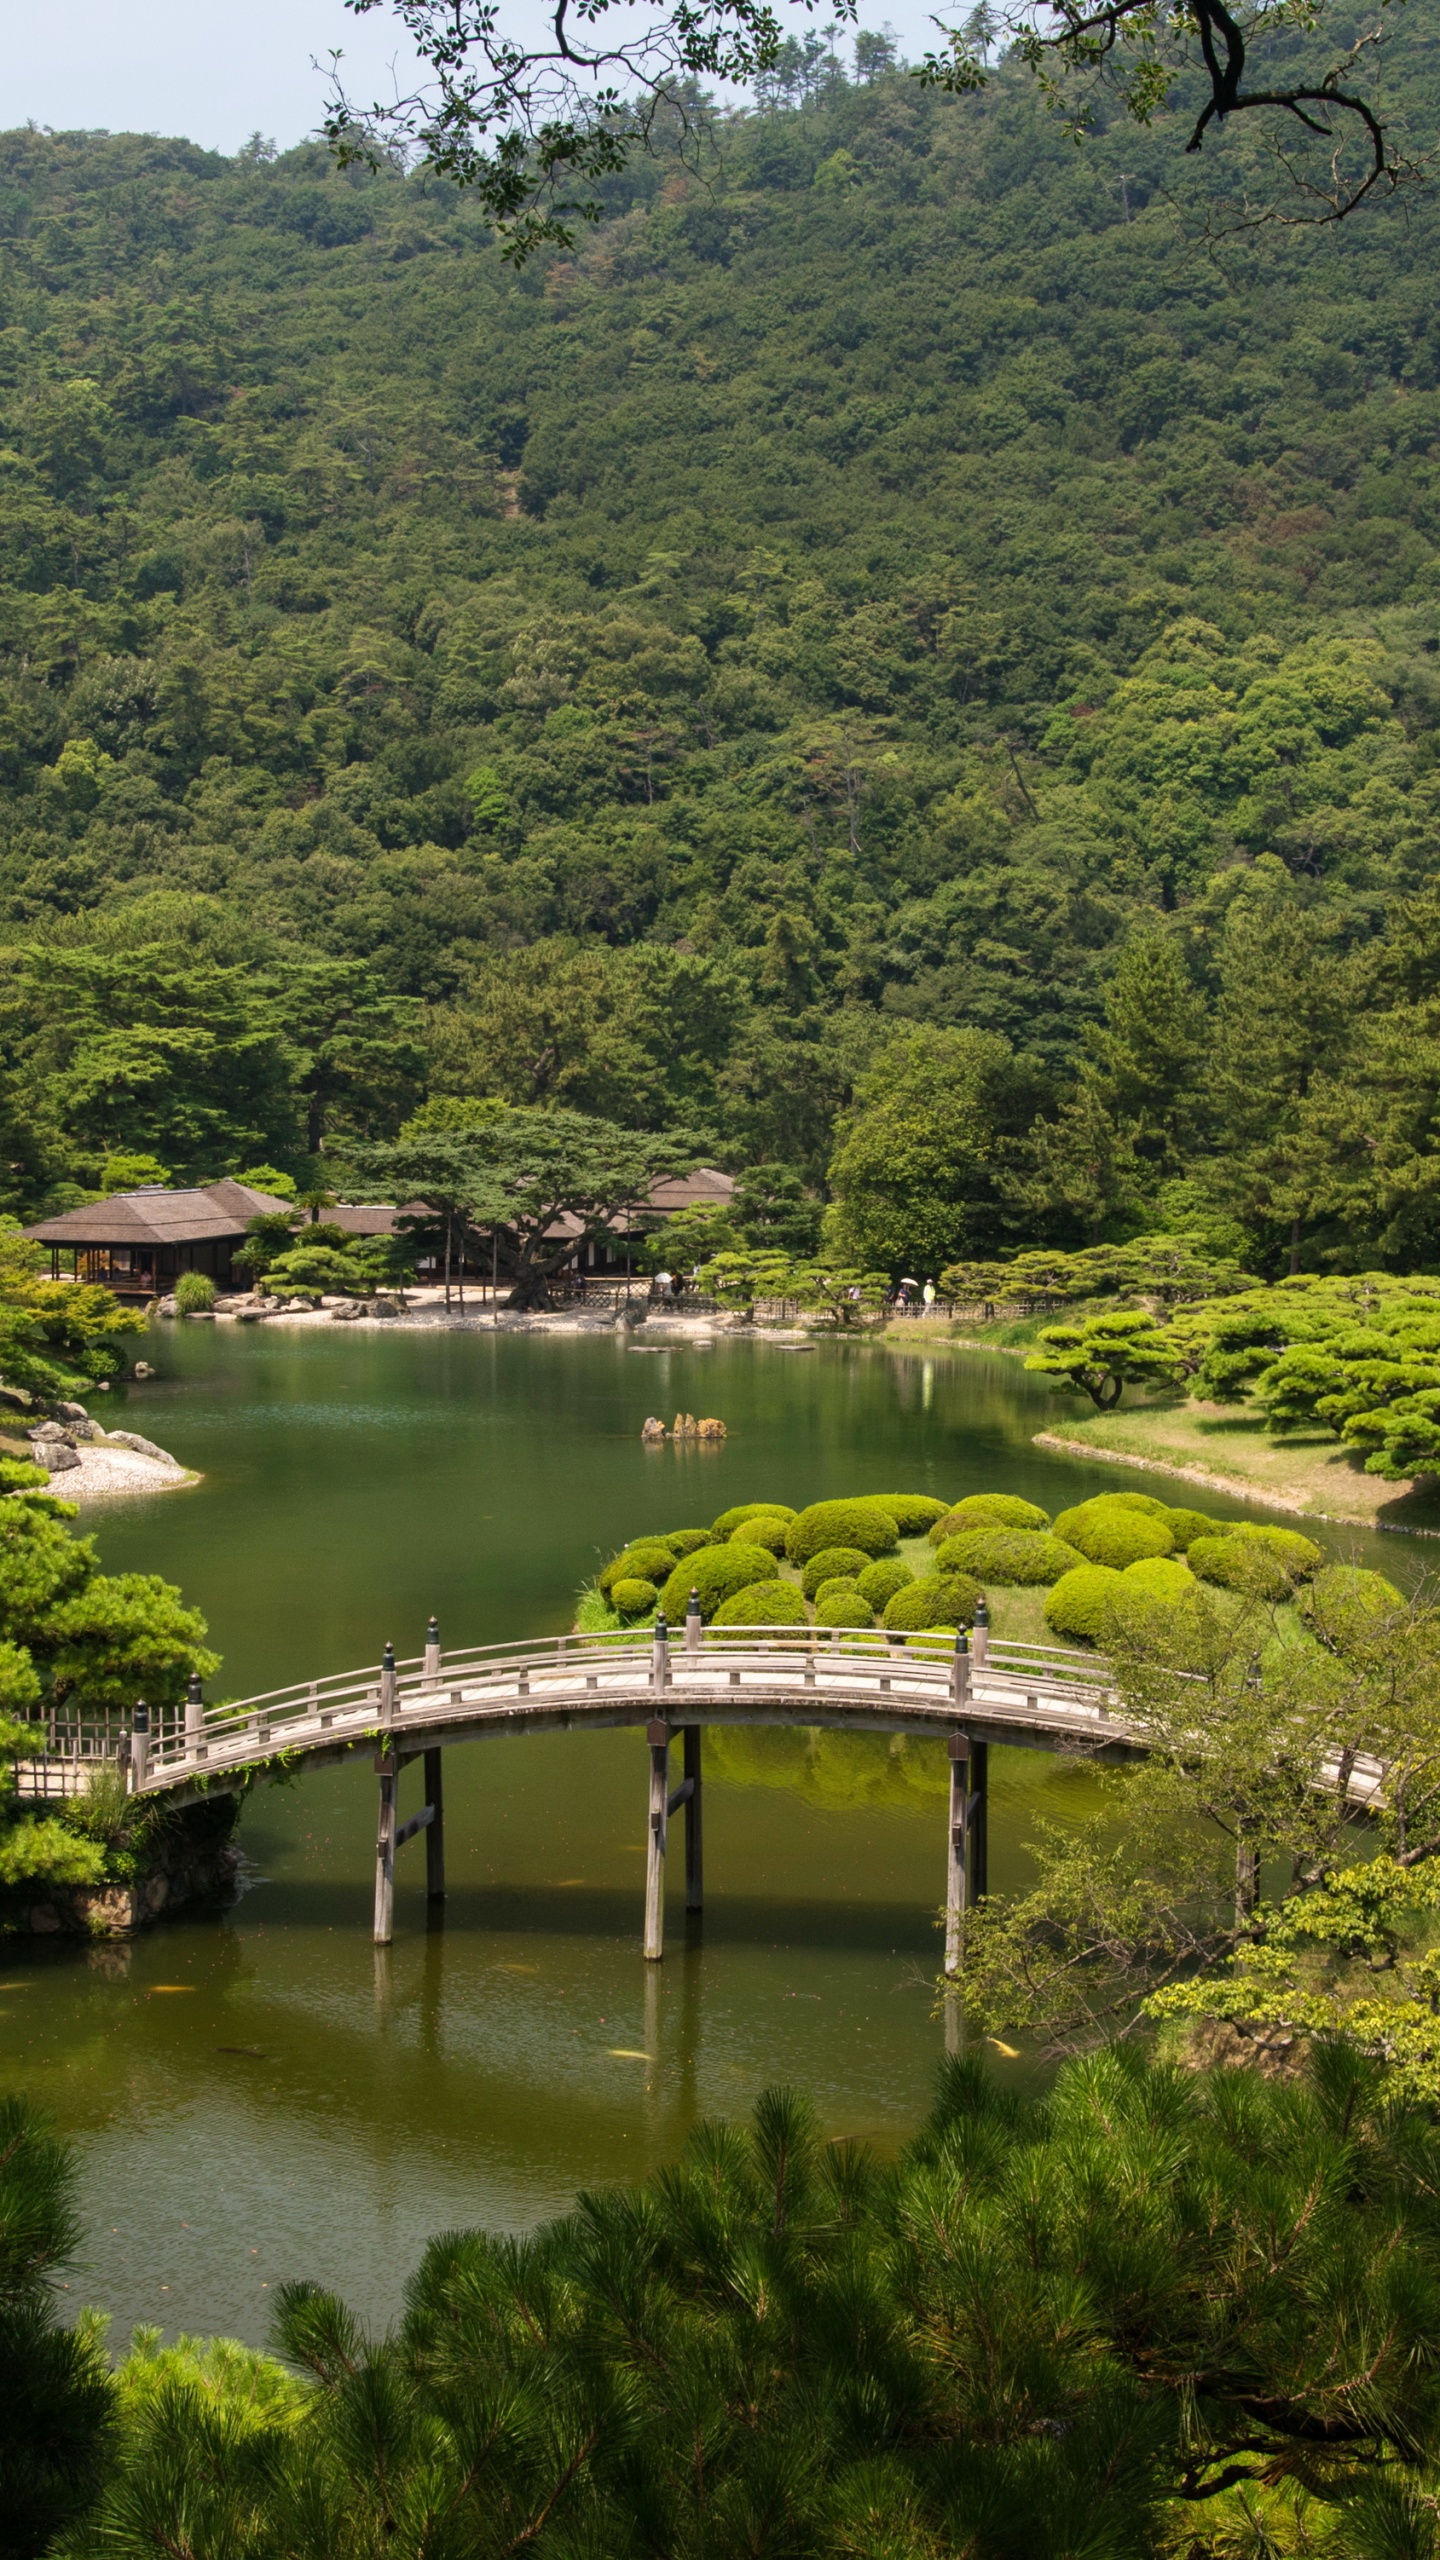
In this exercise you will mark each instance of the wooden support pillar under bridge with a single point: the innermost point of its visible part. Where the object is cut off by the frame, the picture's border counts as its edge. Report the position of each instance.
(393, 1834)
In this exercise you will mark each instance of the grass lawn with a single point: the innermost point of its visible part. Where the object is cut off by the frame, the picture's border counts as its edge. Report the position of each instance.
(1228, 1448)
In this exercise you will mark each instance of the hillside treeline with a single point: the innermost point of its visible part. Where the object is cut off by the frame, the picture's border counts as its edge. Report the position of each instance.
(889, 580)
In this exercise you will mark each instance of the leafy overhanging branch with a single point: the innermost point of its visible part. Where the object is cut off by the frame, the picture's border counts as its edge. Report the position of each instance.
(1145, 51)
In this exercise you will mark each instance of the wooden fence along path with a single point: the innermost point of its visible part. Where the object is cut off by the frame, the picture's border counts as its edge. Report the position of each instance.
(1041, 1698)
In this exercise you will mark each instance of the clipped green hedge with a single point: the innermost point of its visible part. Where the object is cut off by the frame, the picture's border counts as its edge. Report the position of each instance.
(1268, 1563)
(632, 1597)
(988, 1511)
(717, 1573)
(846, 1562)
(1344, 1595)
(1300, 1556)
(1114, 1532)
(648, 1560)
(740, 1512)
(936, 1600)
(1007, 1555)
(880, 1582)
(1159, 1578)
(687, 1542)
(857, 1523)
(913, 1513)
(763, 1604)
(1186, 1525)
(840, 1605)
(1082, 1603)
(768, 1529)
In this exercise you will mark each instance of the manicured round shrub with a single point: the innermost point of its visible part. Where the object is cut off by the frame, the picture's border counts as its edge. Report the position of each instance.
(913, 1513)
(1240, 1564)
(1346, 1593)
(769, 1530)
(1185, 1525)
(1300, 1556)
(1008, 1555)
(687, 1542)
(936, 1600)
(763, 1604)
(739, 1512)
(1159, 1578)
(649, 1560)
(989, 1511)
(835, 1582)
(846, 1562)
(1081, 1603)
(1113, 1533)
(840, 1605)
(632, 1597)
(717, 1573)
(880, 1582)
(1137, 1502)
(841, 1524)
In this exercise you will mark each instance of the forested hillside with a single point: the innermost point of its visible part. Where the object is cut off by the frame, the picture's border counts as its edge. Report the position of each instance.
(888, 575)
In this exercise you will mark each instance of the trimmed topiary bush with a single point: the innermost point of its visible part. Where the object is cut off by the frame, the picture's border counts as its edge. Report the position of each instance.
(687, 1542)
(769, 1530)
(649, 1560)
(1344, 1597)
(913, 1513)
(1082, 1603)
(936, 1600)
(717, 1573)
(988, 1511)
(1113, 1532)
(1185, 1525)
(740, 1512)
(632, 1597)
(1300, 1556)
(763, 1604)
(841, 1524)
(880, 1582)
(832, 1562)
(834, 1582)
(1240, 1564)
(1137, 1502)
(1159, 1578)
(1007, 1555)
(840, 1605)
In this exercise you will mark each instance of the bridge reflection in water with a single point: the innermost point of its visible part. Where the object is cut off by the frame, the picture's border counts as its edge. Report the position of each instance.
(1037, 1697)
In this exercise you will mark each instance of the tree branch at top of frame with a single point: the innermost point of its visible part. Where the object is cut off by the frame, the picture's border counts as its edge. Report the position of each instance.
(533, 127)
(1145, 52)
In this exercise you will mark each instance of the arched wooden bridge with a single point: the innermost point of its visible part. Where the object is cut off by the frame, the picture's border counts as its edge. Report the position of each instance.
(1040, 1698)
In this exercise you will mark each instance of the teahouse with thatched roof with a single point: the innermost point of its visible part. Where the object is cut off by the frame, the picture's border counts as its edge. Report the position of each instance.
(138, 1242)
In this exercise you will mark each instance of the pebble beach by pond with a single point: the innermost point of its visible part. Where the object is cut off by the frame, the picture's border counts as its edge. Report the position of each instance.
(258, 2095)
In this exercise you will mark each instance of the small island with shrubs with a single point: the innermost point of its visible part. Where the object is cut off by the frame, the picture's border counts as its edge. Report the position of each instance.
(912, 1564)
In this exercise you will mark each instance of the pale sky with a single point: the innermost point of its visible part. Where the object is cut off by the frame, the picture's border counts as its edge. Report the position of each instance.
(217, 71)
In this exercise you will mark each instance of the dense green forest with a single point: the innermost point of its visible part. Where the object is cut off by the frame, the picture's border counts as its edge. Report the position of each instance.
(891, 581)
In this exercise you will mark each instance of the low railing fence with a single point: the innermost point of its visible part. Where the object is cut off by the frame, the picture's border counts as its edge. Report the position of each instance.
(159, 1746)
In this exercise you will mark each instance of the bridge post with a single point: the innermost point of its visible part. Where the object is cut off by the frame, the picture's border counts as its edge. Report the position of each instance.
(388, 1771)
(694, 1624)
(660, 1658)
(981, 1644)
(195, 1718)
(694, 1837)
(432, 1649)
(657, 1735)
(139, 1746)
(967, 1861)
(387, 1685)
(435, 1834)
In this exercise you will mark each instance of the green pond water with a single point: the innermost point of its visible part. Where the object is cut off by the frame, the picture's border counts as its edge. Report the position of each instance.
(259, 2095)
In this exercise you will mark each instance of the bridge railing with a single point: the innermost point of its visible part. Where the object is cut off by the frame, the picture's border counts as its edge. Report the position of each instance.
(383, 1695)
